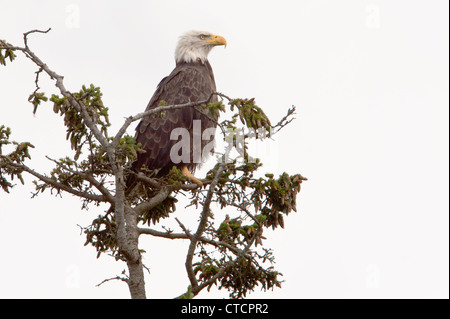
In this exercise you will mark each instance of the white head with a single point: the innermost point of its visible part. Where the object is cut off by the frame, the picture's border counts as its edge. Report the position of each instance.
(195, 45)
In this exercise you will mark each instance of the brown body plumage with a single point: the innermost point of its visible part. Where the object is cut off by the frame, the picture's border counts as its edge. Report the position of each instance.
(192, 80)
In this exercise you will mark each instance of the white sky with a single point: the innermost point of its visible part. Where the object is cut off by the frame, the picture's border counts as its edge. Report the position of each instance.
(370, 82)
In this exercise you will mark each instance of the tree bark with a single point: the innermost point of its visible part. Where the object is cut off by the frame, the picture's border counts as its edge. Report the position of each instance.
(136, 283)
(128, 239)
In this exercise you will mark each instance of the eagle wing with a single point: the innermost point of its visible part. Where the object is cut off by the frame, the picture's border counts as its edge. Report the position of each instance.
(187, 83)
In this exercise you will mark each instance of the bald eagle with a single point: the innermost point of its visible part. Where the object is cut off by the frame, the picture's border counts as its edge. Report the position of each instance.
(192, 80)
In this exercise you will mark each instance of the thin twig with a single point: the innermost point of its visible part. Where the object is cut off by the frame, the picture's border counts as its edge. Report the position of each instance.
(114, 278)
(25, 35)
(285, 120)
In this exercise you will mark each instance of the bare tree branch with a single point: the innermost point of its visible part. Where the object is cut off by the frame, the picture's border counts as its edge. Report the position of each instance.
(202, 224)
(187, 235)
(126, 280)
(88, 177)
(26, 34)
(285, 120)
(153, 202)
(57, 185)
(77, 104)
(160, 109)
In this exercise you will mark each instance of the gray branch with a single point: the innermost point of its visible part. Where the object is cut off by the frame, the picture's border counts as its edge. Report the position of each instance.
(159, 109)
(57, 185)
(202, 225)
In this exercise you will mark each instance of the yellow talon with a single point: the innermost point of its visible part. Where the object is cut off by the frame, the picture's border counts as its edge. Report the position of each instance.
(191, 177)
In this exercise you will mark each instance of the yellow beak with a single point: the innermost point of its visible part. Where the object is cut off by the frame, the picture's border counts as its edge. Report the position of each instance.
(217, 40)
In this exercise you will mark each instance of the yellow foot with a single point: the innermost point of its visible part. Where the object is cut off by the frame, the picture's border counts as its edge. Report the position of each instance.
(191, 177)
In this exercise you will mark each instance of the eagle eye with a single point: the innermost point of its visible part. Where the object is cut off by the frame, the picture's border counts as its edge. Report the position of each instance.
(202, 36)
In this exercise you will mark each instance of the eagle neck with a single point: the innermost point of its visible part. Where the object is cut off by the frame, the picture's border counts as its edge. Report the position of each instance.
(198, 62)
